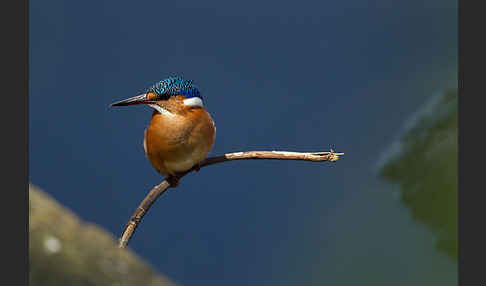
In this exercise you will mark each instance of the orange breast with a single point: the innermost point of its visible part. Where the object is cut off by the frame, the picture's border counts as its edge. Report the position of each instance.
(177, 143)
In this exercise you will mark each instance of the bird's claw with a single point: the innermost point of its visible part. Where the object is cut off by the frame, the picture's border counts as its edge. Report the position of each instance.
(173, 180)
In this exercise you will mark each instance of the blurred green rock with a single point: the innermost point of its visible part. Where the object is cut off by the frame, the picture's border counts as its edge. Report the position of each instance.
(63, 250)
(424, 166)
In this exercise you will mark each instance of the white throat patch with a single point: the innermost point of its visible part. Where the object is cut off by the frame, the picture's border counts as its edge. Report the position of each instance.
(193, 101)
(161, 110)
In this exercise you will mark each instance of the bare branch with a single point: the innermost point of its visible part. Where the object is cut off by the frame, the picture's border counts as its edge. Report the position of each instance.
(172, 182)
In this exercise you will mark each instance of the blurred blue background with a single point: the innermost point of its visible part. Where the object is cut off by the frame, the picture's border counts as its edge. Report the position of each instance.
(298, 76)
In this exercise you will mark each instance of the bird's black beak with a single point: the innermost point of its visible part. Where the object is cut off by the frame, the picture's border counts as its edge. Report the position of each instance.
(139, 99)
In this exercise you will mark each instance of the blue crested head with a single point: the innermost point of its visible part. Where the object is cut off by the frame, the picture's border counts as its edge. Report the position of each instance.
(175, 86)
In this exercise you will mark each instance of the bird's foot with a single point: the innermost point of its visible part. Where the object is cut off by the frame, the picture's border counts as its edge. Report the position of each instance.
(173, 180)
(197, 167)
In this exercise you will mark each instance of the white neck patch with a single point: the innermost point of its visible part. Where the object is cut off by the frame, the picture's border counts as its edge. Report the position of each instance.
(194, 101)
(161, 110)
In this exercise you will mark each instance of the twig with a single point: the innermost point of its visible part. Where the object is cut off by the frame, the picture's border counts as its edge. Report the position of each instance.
(158, 190)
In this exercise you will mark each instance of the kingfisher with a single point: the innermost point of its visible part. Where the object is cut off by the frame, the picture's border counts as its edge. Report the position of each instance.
(181, 132)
